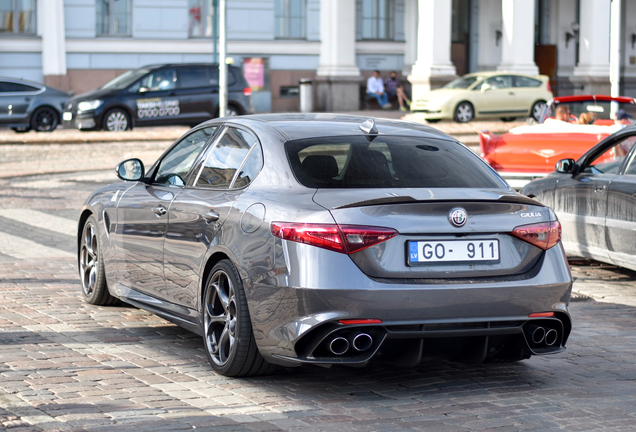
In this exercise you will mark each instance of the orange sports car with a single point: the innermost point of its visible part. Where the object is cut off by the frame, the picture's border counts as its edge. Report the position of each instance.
(568, 127)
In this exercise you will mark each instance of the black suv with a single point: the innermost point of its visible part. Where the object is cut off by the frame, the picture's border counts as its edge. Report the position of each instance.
(159, 95)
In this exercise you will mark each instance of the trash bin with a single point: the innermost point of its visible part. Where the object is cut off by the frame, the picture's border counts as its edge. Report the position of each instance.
(306, 95)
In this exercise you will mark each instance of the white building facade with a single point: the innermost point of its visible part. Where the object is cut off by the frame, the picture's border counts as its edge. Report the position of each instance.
(79, 45)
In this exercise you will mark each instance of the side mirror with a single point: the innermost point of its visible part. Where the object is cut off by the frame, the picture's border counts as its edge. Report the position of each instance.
(130, 170)
(565, 166)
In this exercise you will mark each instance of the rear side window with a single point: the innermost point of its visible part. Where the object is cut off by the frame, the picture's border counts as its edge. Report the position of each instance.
(225, 159)
(10, 87)
(193, 77)
(387, 162)
(214, 76)
(521, 81)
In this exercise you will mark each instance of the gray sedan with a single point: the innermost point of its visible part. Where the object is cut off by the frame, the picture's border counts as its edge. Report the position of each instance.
(25, 105)
(595, 198)
(329, 239)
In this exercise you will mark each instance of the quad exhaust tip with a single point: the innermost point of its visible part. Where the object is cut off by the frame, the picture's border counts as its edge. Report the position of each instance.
(339, 345)
(362, 342)
(551, 337)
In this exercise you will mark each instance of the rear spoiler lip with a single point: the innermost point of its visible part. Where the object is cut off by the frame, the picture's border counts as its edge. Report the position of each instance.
(510, 199)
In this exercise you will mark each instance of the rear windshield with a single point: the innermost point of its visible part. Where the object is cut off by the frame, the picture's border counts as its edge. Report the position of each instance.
(387, 162)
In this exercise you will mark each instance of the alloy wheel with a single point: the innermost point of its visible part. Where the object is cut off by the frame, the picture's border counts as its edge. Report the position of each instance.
(116, 121)
(220, 320)
(464, 113)
(45, 120)
(537, 108)
(89, 259)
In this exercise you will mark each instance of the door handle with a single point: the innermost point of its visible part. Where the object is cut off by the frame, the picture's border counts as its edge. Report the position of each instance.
(159, 210)
(511, 93)
(210, 216)
(27, 99)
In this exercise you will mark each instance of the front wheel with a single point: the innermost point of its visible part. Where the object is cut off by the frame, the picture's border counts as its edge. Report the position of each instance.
(91, 266)
(228, 338)
(536, 110)
(464, 112)
(116, 120)
(44, 119)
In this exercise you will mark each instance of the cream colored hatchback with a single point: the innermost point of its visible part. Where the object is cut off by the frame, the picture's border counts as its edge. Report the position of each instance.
(486, 95)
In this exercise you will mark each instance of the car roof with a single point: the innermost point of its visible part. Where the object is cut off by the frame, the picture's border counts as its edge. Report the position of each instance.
(493, 73)
(602, 98)
(157, 66)
(302, 126)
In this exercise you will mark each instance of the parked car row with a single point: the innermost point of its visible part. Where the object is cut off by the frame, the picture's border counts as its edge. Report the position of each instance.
(152, 95)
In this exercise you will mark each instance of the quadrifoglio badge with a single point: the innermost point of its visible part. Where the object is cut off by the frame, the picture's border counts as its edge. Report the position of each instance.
(148, 108)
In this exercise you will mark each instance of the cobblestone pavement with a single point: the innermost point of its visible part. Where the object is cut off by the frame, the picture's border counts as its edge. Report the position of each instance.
(69, 366)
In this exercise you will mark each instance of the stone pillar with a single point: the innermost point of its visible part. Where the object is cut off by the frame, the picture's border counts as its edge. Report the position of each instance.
(410, 35)
(337, 77)
(517, 41)
(50, 15)
(592, 72)
(433, 67)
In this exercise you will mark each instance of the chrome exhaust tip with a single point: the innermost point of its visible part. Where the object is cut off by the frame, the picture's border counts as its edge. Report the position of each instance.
(536, 333)
(339, 345)
(551, 337)
(362, 342)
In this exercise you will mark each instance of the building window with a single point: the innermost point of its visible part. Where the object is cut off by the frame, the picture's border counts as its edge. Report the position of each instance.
(375, 19)
(113, 17)
(17, 16)
(291, 16)
(200, 18)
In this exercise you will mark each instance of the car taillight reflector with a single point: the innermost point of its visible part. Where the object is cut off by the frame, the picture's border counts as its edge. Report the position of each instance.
(542, 234)
(247, 91)
(541, 315)
(346, 239)
(549, 88)
(360, 321)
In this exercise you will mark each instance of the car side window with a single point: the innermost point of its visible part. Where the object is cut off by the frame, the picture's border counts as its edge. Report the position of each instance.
(193, 77)
(176, 165)
(225, 159)
(10, 87)
(498, 82)
(521, 81)
(250, 169)
(214, 76)
(610, 161)
(631, 165)
(162, 79)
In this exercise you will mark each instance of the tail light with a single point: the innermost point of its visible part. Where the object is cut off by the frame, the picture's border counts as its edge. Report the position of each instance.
(549, 88)
(345, 239)
(543, 234)
(247, 91)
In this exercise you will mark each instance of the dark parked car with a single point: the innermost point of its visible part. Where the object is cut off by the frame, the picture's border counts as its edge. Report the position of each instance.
(25, 105)
(159, 95)
(328, 239)
(595, 199)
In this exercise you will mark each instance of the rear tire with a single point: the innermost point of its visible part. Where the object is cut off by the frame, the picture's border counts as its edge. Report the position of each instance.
(91, 266)
(44, 119)
(464, 112)
(228, 338)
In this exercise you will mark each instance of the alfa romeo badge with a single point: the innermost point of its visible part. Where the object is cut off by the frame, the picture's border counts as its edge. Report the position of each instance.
(458, 217)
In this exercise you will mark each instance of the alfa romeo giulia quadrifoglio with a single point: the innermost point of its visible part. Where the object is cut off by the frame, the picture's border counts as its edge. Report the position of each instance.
(325, 239)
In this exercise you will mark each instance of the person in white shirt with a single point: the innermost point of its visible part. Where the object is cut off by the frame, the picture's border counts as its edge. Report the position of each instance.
(375, 88)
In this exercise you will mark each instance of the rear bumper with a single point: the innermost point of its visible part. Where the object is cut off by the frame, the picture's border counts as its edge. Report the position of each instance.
(291, 304)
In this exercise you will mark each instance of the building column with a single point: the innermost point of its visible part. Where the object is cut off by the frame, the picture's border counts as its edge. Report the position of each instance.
(433, 67)
(591, 75)
(338, 77)
(50, 16)
(517, 49)
(410, 35)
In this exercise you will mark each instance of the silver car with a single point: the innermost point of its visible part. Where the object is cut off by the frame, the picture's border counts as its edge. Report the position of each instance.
(329, 239)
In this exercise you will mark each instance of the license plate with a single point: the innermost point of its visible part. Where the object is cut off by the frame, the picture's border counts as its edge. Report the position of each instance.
(67, 116)
(453, 251)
